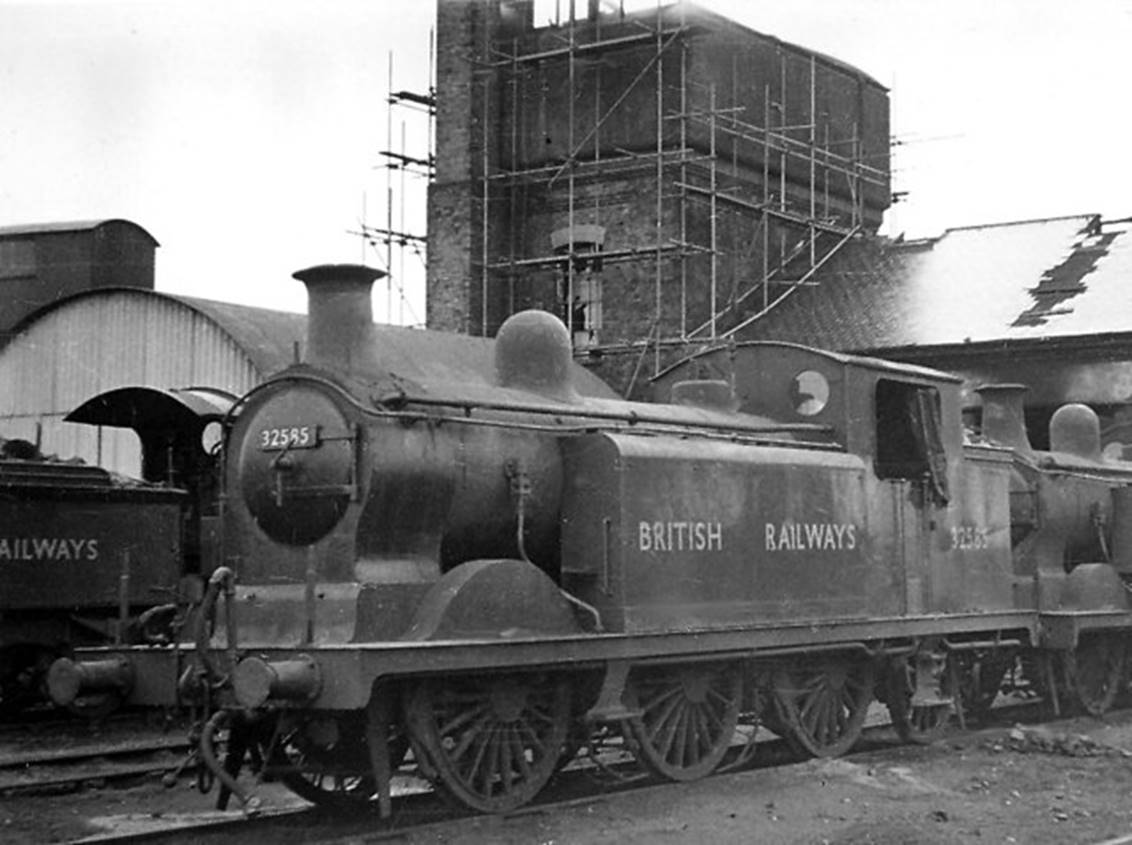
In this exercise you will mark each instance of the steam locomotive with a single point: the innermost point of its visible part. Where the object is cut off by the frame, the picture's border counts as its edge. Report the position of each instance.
(88, 556)
(485, 569)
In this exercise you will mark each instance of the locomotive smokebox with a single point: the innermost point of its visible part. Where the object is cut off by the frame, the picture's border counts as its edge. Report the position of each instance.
(1004, 421)
(339, 314)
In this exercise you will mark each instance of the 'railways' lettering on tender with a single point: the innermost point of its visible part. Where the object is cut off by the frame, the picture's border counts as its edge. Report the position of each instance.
(47, 548)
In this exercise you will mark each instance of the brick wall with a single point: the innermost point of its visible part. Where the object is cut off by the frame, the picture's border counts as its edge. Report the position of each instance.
(525, 109)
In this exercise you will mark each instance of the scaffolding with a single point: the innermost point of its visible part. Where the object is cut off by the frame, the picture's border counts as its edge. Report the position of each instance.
(392, 242)
(728, 243)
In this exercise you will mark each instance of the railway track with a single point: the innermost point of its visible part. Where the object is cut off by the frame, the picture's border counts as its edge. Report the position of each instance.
(417, 810)
(94, 764)
(48, 752)
(102, 760)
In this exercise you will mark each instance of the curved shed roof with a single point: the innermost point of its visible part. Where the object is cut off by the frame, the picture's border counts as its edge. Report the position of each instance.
(108, 338)
(60, 226)
(268, 339)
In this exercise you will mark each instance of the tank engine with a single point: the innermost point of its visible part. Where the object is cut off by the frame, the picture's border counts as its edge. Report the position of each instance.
(484, 566)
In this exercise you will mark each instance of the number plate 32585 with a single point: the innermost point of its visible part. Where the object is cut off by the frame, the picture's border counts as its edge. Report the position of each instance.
(288, 437)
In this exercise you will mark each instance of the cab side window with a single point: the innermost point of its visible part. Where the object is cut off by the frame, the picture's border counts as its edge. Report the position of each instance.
(908, 438)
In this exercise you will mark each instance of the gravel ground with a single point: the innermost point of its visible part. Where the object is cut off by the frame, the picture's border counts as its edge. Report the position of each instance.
(1066, 782)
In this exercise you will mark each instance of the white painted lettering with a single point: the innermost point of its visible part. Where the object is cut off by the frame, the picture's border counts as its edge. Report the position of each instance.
(715, 536)
(13, 549)
(792, 536)
(681, 536)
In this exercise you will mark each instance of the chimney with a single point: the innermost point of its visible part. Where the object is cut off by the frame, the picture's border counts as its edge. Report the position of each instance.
(1004, 420)
(339, 314)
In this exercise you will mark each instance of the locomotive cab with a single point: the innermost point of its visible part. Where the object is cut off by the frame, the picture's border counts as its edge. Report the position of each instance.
(179, 434)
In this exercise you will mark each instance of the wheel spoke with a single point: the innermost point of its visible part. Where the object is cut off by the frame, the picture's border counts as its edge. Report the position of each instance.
(687, 718)
(474, 733)
(1095, 671)
(822, 708)
(700, 730)
(664, 698)
(491, 765)
(460, 719)
(519, 753)
(668, 712)
(665, 728)
(335, 774)
(682, 737)
(505, 766)
(532, 740)
(509, 731)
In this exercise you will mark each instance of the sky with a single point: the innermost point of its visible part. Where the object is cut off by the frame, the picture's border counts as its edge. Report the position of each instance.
(245, 135)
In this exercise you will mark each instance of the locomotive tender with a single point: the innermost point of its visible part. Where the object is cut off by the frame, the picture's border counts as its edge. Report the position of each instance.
(484, 570)
(88, 556)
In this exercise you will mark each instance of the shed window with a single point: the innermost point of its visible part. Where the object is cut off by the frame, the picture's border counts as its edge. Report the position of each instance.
(909, 441)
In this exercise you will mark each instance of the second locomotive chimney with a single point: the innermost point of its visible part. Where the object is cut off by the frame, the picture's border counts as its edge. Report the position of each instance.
(339, 314)
(1004, 419)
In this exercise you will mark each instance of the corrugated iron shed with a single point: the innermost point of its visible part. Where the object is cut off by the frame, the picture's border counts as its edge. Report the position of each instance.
(100, 340)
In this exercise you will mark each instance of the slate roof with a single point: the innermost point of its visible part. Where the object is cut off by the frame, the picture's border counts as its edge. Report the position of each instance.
(1056, 278)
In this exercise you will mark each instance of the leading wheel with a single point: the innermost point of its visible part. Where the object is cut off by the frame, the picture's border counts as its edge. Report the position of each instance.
(325, 759)
(821, 707)
(1094, 671)
(492, 742)
(688, 717)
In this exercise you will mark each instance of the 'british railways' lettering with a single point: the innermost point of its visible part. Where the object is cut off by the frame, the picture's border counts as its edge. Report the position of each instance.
(805, 536)
(47, 548)
(680, 536)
